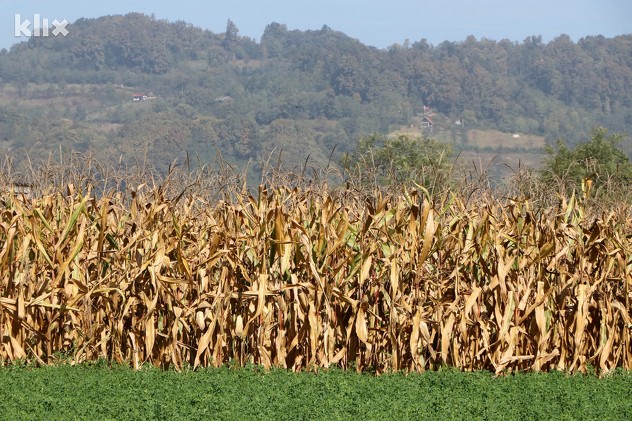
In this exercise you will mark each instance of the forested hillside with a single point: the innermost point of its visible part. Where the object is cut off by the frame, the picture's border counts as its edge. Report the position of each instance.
(133, 88)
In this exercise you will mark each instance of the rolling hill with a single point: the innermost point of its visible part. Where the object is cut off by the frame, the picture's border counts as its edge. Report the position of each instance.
(135, 89)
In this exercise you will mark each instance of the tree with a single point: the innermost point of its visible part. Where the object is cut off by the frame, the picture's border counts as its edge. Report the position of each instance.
(599, 160)
(402, 160)
(231, 37)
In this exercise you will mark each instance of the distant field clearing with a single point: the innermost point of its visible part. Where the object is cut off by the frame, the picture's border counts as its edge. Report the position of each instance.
(498, 139)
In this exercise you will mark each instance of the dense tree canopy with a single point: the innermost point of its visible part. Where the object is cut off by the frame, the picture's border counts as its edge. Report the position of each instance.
(599, 160)
(294, 90)
(400, 160)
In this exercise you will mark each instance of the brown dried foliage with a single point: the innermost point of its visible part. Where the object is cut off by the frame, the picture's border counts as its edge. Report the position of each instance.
(306, 278)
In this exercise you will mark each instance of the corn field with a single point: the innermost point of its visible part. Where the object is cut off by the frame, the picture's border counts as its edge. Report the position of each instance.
(306, 279)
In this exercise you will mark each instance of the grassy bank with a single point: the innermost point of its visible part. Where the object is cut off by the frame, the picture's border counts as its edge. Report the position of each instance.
(100, 392)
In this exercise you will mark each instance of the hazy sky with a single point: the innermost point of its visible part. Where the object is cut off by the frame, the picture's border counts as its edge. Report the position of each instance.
(378, 23)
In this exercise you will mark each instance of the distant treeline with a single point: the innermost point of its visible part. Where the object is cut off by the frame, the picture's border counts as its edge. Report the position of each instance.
(301, 92)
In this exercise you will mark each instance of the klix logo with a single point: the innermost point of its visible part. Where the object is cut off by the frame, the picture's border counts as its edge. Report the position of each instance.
(39, 27)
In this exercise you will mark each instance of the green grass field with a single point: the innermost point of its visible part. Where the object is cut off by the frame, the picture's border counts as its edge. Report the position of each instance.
(99, 392)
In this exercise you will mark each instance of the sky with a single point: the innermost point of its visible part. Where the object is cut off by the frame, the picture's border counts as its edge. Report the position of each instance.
(376, 23)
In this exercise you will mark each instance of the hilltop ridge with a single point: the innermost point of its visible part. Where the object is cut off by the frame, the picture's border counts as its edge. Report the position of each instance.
(300, 92)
